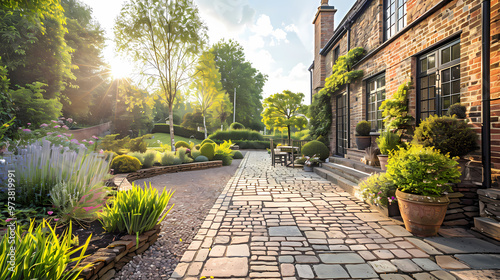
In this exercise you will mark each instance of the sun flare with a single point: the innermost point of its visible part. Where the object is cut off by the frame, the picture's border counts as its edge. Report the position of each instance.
(120, 69)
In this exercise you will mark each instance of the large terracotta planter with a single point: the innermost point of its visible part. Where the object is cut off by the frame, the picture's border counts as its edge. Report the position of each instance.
(383, 161)
(422, 215)
(363, 142)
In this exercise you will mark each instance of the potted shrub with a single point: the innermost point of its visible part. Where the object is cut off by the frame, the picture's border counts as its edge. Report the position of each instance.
(379, 190)
(457, 110)
(449, 135)
(310, 163)
(363, 139)
(387, 141)
(422, 176)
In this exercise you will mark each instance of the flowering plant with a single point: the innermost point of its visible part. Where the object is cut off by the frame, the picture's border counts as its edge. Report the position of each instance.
(378, 189)
(312, 161)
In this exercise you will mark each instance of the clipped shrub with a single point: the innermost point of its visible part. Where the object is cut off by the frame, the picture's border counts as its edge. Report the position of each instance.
(458, 110)
(238, 134)
(137, 210)
(363, 128)
(138, 144)
(137, 155)
(208, 140)
(182, 153)
(201, 159)
(178, 130)
(180, 144)
(322, 139)
(167, 158)
(236, 125)
(237, 155)
(447, 134)
(317, 148)
(149, 158)
(227, 160)
(218, 156)
(197, 147)
(125, 164)
(208, 150)
(388, 141)
(177, 160)
(195, 153)
(254, 144)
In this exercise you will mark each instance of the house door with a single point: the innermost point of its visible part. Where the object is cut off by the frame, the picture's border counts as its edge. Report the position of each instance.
(341, 124)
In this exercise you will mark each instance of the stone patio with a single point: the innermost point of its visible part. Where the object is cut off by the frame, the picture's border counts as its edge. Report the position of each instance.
(284, 223)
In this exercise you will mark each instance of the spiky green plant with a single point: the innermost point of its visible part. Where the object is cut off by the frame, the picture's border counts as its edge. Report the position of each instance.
(167, 158)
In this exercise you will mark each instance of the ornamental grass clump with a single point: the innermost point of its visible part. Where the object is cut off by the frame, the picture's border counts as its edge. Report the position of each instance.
(137, 210)
(378, 189)
(422, 171)
(41, 254)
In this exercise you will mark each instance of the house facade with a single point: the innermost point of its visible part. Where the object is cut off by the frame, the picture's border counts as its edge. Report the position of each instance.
(448, 49)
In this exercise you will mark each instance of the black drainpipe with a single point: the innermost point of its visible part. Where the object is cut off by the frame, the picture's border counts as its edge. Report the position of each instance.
(311, 79)
(485, 131)
(348, 89)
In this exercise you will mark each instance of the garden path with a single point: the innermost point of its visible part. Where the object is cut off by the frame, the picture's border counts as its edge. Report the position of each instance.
(283, 223)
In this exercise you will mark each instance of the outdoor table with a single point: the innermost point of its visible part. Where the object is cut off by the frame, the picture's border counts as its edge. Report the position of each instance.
(290, 150)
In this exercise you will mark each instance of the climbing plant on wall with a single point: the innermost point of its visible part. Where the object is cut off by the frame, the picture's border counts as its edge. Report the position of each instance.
(396, 114)
(320, 110)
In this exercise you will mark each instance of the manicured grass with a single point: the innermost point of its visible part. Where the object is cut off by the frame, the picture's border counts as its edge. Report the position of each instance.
(165, 139)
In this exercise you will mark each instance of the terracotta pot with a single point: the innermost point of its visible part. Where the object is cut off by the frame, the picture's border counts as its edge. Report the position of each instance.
(422, 215)
(363, 142)
(383, 161)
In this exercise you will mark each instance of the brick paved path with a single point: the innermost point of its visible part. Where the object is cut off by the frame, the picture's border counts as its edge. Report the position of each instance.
(284, 223)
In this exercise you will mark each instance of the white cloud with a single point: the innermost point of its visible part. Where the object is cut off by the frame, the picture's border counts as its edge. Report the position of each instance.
(296, 80)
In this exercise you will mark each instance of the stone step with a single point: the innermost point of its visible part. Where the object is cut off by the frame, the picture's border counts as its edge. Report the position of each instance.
(487, 226)
(349, 186)
(356, 165)
(355, 154)
(347, 172)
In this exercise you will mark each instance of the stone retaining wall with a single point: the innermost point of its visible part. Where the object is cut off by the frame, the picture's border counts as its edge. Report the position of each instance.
(464, 205)
(88, 132)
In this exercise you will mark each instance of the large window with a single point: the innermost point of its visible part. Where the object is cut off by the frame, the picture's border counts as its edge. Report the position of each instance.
(375, 95)
(394, 17)
(439, 80)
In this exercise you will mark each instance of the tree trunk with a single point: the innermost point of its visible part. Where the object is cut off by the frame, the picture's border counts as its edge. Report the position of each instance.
(289, 142)
(171, 123)
(205, 126)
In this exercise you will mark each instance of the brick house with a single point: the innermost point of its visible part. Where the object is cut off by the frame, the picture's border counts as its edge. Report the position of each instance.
(436, 44)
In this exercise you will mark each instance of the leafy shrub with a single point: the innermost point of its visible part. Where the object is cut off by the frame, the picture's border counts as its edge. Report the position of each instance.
(195, 153)
(180, 144)
(254, 144)
(197, 147)
(149, 158)
(422, 170)
(322, 139)
(239, 134)
(137, 210)
(227, 160)
(458, 110)
(208, 140)
(317, 148)
(167, 158)
(363, 128)
(236, 125)
(218, 157)
(40, 253)
(388, 141)
(237, 155)
(182, 153)
(177, 160)
(300, 160)
(119, 146)
(378, 189)
(137, 155)
(138, 144)
(201, 159)
(178, 130)
(208, 150)
(395, 110)
(447, 134)
(125, 164)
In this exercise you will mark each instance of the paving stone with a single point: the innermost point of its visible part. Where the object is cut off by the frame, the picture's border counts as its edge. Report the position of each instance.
(406, 265)
(329, 271)
(217, 251)
(194, 268)
(285, 259)
(304, 271)
(371, 217)
(448, 262)
(287, 204)
(367, 255)
(180, 270)
(241, 250)
(341, 258)
(240, 239)
(443, 275)
(477, 274)
(423, 246)
(252, 197)
(306, 259)
(287, 269)
(397, 230)
(383, 266)
(383, 254)
(462, 245)
(315, 234)
(424, 276)
(395, 277)
(426, 264)
(226, 267)
(480, 261)
(361, 271)
(284, 231)
(335, 234)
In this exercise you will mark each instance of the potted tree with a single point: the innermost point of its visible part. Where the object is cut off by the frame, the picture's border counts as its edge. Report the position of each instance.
(422, 176)
(363, 139)
(387, 141)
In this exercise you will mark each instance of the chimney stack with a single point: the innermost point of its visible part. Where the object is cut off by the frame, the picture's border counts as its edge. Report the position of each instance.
(324, 3)
(323, 31)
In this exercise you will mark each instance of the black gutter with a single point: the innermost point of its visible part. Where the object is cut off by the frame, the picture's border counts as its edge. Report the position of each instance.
(348, 91)
(485, 131)
(311, 79)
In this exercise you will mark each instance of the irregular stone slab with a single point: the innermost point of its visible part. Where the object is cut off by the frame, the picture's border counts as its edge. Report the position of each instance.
(395, 277)
(383, 266)
(225, 267)
(477, 274)
(423, 246)
(304, 271)
(426, 264)
(306, 259)
(406, 265)
(240, 239)
(287, 204)
(423, 276)
(217, 251)
(241, 250)
(222, 239)
(448, 262)
(284, 231)
(480, 261)
(462, 245)
(329, 271)
(398, 231)
(341, 258)
(285, 259)
(252, 198)
(315, 234)
(361, 271)
(371, 217)
(443, 275)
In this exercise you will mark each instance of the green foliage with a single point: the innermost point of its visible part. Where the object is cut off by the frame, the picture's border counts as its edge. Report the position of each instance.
(236, 134)
(149, 158)
(137, 210)
(178, 130)
(223, 151)
(227, 160)
(137, 155)
(236, 125)
(387, 142)
(167, 158)
(320, 114)
(208, 150)
(182, 144)
(197, 147)
(138, 144)
(193, 120)
(220, 112)
(125, 164)
(446, 134)
(363, 128)
(40, 253)
(208, 140)
(183, 155)
(253, 144)
(395, 111)
(201, 159)
(458, 110)
(118, 146)
(237, 155)
(315, 148)
(422, 171)
(323, 140)
(378, 189)
(177, 160)
(195, 153)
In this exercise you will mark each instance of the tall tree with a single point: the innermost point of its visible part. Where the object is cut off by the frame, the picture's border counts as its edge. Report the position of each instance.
(166, 37)
(206, 86)
(237, 73)
(221, 110)
(284, 110)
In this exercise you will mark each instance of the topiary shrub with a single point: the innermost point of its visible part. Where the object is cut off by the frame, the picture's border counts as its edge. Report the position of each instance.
(195, 153)
(208, 150)
(237, 155)
(236, 134)
(167, 158)
(227, 160)
(208, 140)
(137, 155)
(125, 164)
(197, 147)
(201, 159)
(317, 148)
(363, 128)
(322, 139)
(177, 160)
(180, 144)
(218, 156)
(236, 125)
(458, 110)
(447, 134)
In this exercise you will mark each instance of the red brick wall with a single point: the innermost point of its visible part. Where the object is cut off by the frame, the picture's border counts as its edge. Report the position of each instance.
(324, 27)
(495, 82)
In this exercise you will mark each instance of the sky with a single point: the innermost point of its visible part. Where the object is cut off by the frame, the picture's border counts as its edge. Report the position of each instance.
(277, 36)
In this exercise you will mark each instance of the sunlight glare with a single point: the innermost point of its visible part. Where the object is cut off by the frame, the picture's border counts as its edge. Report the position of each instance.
(120, 69)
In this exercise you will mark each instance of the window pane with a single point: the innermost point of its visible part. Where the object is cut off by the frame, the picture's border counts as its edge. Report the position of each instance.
(424, 82)
(455, 87)
(445, 75)
(432, 92)
(425, 108)
(401, 24)
(432, 61)
(455, 51)
(432, 105)
(393, 8)
(423, 65)
(400, 13)
(445, 89)
(424, 116)
(401, 2)
(432, 79)
(455, 72)
(445, 55)
(455, 99)
(446, 103)
(423, 94)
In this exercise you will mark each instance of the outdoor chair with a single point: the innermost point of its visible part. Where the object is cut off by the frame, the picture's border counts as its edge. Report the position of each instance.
(279, 157)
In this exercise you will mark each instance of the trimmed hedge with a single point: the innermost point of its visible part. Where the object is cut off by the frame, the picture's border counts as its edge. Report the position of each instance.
(262, 145)
(178, 130)
(239, 134)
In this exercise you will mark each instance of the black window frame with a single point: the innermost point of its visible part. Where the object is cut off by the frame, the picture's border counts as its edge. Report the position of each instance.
(378, 121)
(336, 54)
(394, 10)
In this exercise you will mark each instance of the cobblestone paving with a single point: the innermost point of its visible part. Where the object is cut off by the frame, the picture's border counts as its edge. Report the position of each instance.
(283, 223)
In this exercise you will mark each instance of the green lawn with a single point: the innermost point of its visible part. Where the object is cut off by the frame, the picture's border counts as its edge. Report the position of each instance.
(165, 139)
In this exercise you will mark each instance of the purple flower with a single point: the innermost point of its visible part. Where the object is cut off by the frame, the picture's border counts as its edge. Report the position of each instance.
(49, 133)
(57, 126)
(59, 136)
(56, 219)
(95, 137)
(29, 123)
(44, 125)
(54, 121)
(20, 128)
(65, 127)
(8, 220)
(50, 212)
(27, 130)
(75, 141)
(101, 151)
(84, 140)
(70, 120)
(91, 142)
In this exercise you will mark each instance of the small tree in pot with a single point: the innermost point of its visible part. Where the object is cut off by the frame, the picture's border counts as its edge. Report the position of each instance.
(363, 139)
(387, 142)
